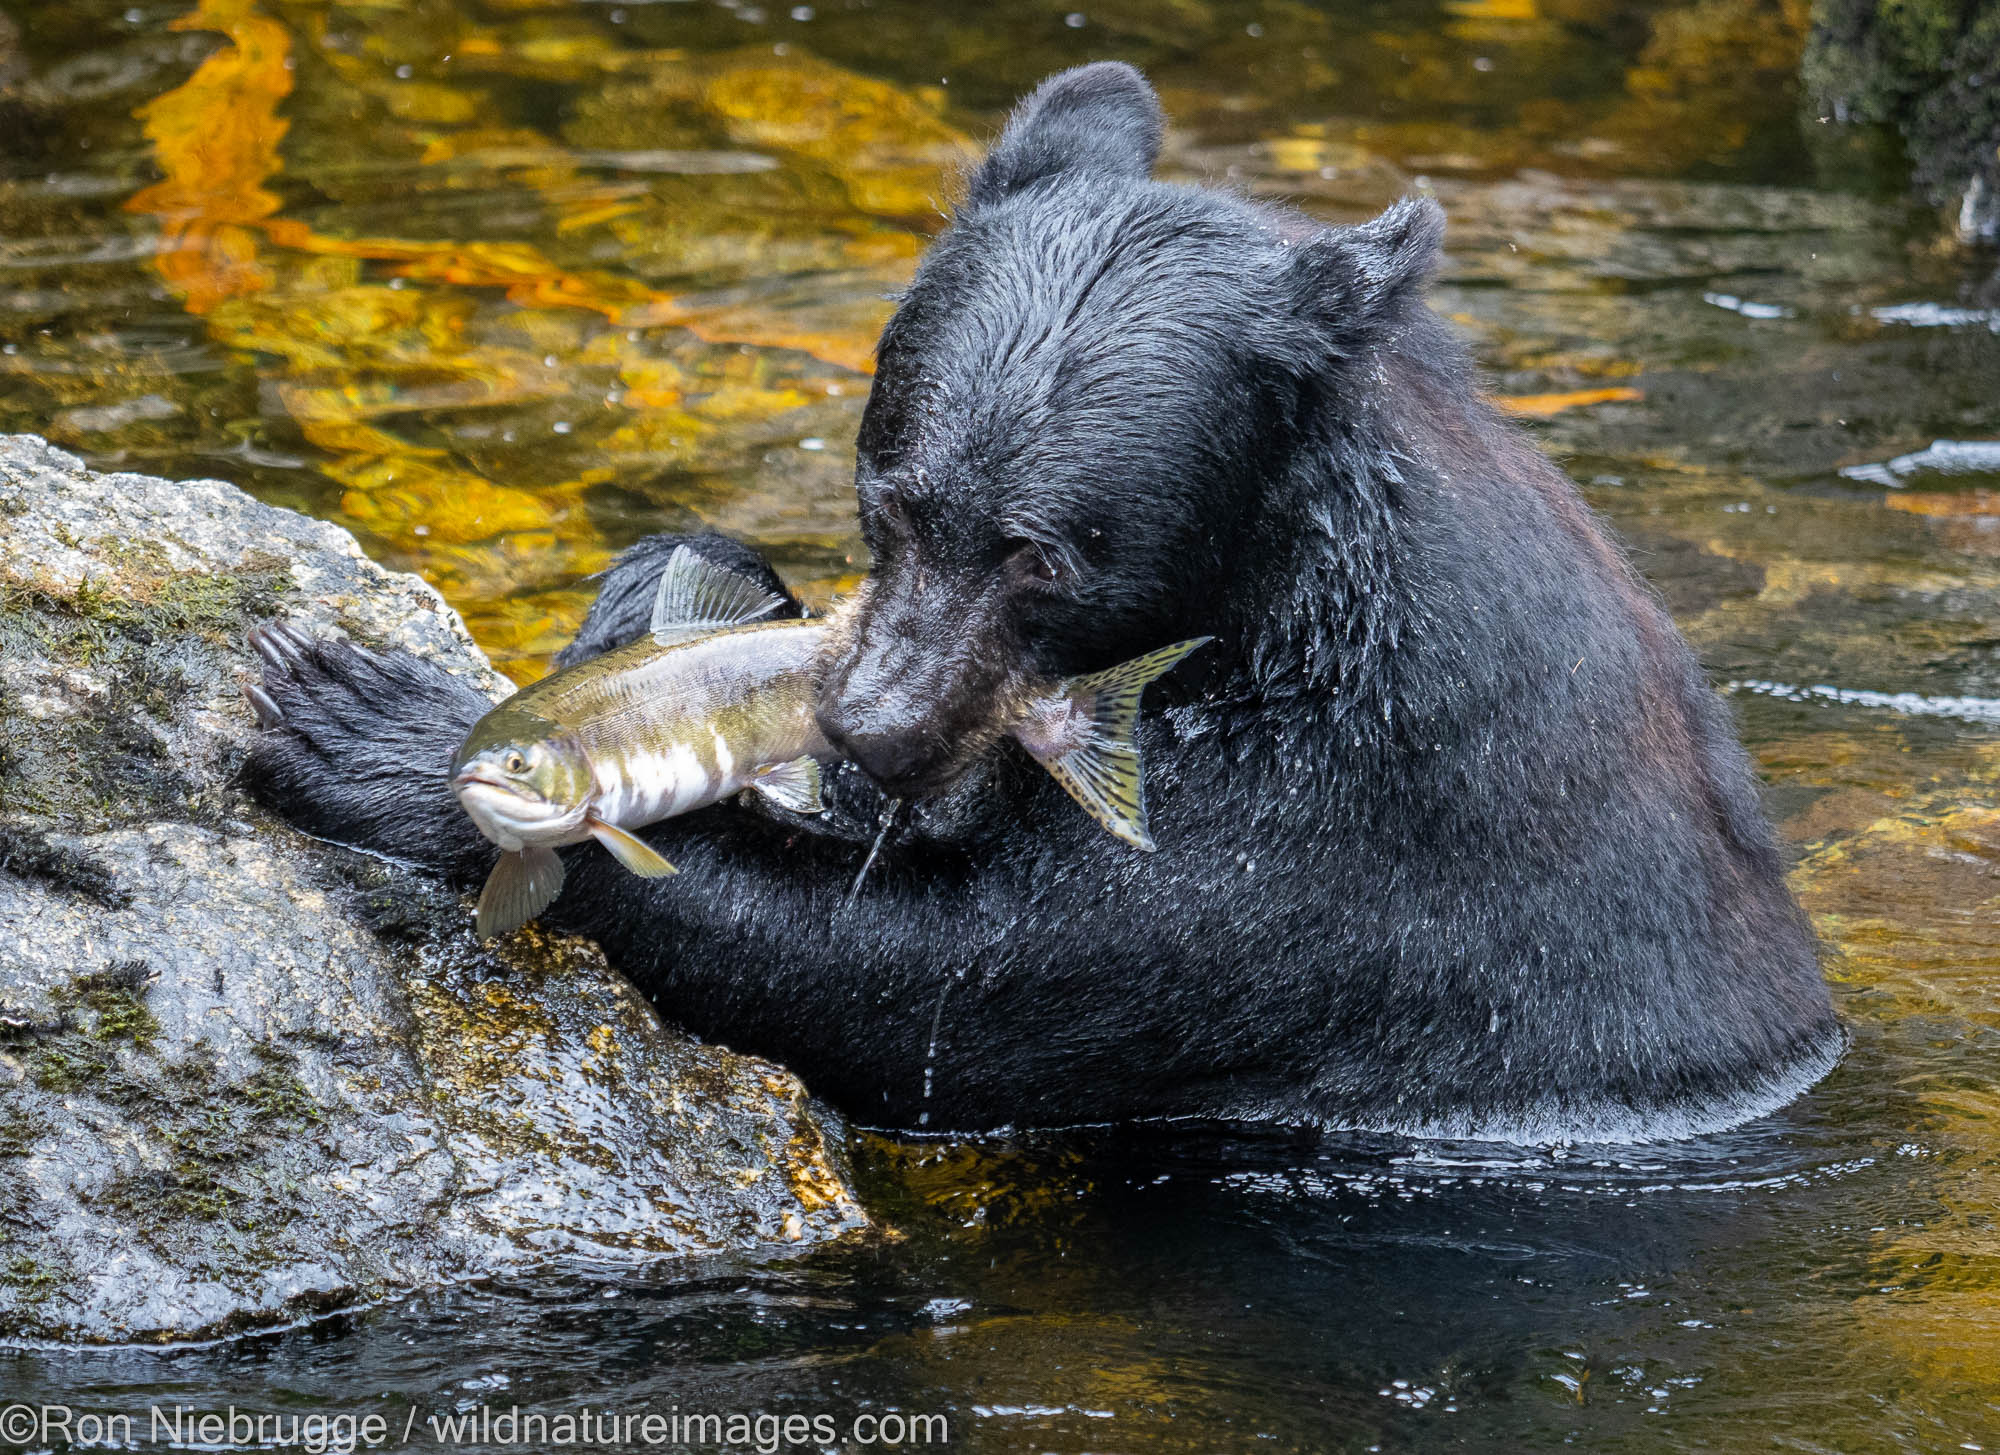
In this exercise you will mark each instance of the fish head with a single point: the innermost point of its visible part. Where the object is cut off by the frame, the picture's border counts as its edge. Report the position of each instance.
(522, 779)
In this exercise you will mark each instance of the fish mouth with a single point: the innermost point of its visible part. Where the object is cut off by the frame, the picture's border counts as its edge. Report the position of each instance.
(473, 777)
(509, 815)
(492, 795)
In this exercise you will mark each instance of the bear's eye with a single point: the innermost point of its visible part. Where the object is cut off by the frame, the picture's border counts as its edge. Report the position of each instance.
(891, 512)
(1031, 561)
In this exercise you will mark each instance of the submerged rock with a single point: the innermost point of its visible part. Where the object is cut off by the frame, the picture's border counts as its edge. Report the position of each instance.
(246, 1076)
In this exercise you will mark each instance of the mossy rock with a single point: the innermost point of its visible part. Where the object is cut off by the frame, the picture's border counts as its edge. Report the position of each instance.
(247, 1077)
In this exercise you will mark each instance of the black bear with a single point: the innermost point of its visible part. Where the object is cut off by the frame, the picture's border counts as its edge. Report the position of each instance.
(1454, 837)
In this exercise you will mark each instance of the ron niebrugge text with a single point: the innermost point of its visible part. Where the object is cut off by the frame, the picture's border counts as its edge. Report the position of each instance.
(179, 1426)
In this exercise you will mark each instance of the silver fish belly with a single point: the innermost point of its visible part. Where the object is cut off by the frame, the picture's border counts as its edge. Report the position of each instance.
(702, 720)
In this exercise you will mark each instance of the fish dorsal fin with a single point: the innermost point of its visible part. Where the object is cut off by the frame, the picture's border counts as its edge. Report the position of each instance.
(793, 785)
(631, 851)
(1103, 772)
(696, 595)
(520, 887)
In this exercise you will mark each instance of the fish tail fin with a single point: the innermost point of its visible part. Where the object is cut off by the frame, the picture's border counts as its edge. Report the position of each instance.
(1103, 772)
(520, 887)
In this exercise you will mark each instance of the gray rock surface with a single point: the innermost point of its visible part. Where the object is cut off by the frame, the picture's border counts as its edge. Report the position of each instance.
(246, 1076)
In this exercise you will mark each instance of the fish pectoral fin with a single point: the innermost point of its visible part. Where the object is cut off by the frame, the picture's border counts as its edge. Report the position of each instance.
(520, 887)
(630, 850)
(793, 785)
(696, 595)
(1103, 772)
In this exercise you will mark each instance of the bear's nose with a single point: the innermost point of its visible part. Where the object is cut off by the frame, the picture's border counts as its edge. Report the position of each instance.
(892, 761)
(897, 761)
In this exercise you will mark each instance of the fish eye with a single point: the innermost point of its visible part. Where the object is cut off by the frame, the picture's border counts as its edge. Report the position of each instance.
(515, 763)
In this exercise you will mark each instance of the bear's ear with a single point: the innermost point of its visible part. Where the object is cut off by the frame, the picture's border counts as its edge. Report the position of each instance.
(1356, 281)
(1101, 119)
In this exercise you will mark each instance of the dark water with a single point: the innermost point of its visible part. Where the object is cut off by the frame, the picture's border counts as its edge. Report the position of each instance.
(503, 286)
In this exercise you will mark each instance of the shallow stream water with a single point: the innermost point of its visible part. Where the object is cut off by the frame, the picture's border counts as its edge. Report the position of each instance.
(503, 286)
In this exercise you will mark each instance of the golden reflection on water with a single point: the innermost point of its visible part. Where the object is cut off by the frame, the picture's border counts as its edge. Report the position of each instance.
(356, 336)
(216, 138)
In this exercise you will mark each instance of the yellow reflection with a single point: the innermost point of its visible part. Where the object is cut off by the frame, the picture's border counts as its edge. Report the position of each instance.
(386, 350)
(216, 139)
(889, 148)
(1908, 899)
(1543, 406)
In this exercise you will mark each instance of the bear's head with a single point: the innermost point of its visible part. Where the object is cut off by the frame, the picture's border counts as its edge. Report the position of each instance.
(1081, 413)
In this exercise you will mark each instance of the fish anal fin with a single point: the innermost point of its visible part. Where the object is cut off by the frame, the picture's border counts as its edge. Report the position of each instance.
(793, 785)
(520, 887)
(630, 850)
(696, 596)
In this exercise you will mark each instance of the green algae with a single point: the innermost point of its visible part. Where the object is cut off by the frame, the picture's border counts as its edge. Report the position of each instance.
(20, 1129)
(274, 1092)
(117, 997)
(113, 1001)
(215, 1134)
(30, 1280)
(64, 1066)
(150, 640)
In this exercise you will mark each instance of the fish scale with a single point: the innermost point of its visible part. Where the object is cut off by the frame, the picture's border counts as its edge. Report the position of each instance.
(655, 736)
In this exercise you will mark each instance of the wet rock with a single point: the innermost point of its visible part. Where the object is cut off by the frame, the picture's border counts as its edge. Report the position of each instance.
(246, 1076)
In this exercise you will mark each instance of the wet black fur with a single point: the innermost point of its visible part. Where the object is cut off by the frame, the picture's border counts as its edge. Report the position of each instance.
(1453, 833)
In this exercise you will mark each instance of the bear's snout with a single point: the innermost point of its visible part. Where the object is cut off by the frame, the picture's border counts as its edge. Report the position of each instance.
(894, 720)
(897, 760)
(916, 694)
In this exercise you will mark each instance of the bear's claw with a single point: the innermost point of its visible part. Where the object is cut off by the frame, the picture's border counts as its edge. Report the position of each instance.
(284, 650)
(282, 646)
(269, 714)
